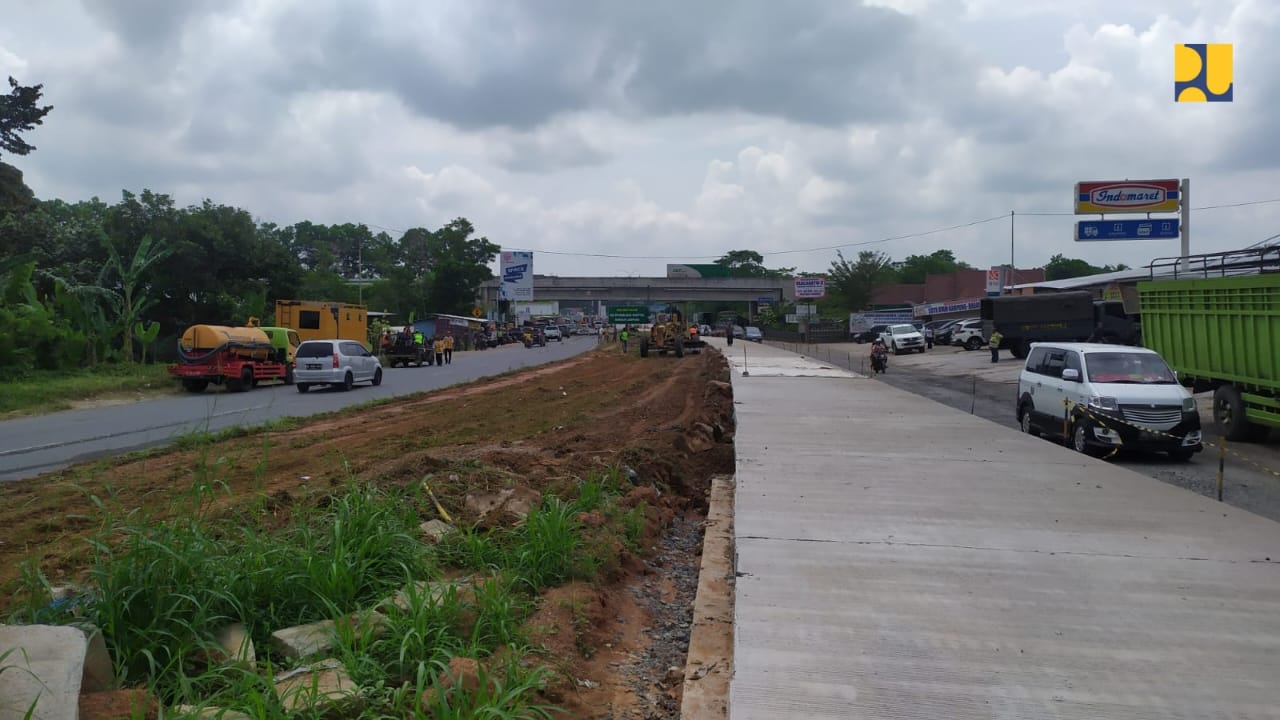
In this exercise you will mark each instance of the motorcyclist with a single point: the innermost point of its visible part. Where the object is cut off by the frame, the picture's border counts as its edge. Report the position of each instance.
(879, 355)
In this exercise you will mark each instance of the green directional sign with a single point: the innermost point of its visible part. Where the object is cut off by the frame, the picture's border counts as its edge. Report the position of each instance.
(628, 314)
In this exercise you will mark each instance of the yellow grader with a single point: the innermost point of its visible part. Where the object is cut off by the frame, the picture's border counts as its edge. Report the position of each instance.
(671, 334)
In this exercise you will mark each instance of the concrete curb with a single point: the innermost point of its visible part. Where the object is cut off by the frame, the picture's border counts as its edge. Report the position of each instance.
(709, 665)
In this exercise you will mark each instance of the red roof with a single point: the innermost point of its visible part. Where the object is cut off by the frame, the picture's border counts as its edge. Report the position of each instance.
(959, 285)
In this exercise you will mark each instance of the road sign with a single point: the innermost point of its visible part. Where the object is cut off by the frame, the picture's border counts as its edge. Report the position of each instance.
(477, 312)
(764, 301)
(807, 288)
(1094, 230)
(995, 280)
(1128, 196)
(806, 309)
(628, 314)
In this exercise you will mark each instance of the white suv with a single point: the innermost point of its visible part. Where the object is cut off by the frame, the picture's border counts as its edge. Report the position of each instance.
(551, 332)
(1104, 397)
(903, 338)
(334, 362)
(968, 334)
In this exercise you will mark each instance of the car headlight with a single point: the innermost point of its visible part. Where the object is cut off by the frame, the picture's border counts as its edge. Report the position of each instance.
(1188, 404)
(1103, 403)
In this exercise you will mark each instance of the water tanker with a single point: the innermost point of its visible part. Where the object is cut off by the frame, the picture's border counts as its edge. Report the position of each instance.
(238, 357)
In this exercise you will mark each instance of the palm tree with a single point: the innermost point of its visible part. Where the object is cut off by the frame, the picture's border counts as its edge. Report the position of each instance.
(133, 298)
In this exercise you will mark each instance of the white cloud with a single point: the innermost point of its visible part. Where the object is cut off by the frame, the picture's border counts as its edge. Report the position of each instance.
(605, 128)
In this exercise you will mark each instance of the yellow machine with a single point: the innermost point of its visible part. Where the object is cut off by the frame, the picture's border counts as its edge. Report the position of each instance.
(324, 320)
(250, 343)
(670, 334)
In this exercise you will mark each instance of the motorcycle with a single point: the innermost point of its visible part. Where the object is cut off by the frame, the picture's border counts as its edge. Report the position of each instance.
(879, 361)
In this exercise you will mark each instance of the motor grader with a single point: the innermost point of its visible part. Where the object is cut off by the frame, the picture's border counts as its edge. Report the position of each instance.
(671, 333)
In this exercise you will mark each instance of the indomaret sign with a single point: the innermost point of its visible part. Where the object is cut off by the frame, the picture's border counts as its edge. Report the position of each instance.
(517, 276)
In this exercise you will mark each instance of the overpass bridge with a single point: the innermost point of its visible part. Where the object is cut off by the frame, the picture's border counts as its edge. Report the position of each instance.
(648, 290)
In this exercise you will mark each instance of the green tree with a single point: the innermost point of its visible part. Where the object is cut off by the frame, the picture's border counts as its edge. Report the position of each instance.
(939, 262)
(459, 263)
(133, 288)
(749, 263)
(20, 112)
(852, 282)
(1061, 268)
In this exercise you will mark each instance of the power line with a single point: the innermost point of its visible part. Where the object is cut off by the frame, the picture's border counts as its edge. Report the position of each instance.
(864, 243)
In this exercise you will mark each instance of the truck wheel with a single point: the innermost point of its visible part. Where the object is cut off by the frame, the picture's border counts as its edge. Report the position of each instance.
(348, 381)
(972, 343)
(1020, 348)
(247, 380)
(679, 348)
(194, 385)
(644, 347)
(1228, 413)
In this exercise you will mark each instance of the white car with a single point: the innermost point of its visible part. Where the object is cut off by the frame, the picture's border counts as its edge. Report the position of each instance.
(968, 334)
(1104, 397)
(334, 362)
(551, 332)
(902, 338)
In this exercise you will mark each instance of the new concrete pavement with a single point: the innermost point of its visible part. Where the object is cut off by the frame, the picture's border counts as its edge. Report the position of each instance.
(34, 445)
(901, 559)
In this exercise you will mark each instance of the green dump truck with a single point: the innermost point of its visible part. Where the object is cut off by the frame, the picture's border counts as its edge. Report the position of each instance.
(1217, 323)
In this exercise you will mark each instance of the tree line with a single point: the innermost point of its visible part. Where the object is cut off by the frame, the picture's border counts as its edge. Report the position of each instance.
(91, 281)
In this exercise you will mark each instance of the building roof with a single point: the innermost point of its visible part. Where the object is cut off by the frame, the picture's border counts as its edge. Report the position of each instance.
(1088, 281)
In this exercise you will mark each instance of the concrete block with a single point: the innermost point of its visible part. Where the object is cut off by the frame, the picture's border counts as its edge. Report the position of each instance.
(99, 672)
(323, 686)
(206, 713)
(42, 666)
(435, 530)
(318, 638)
(235, 640)
(428, 590)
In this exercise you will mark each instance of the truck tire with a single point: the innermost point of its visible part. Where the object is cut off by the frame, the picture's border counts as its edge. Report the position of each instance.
(1229, 414)
(972, 343)
(194, 385)
(679, 348)
(644, 347)
(1020, 349)
(242, 383)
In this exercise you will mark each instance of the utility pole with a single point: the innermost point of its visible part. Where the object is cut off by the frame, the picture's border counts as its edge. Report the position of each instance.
(1011, 264)
(1185, 199)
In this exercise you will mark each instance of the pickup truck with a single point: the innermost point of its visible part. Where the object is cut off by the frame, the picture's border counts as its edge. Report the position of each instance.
(552, 332)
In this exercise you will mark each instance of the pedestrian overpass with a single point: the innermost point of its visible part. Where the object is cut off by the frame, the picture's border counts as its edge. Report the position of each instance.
(649, 290)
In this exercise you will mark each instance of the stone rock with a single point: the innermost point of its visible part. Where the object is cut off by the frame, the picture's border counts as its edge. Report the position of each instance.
(517, 502)
(700, 438)
(208, 713)
(316, 638)
(99, 672)
(720, 388)
(430, 591)
(44, 665)
(324, 686)
(235, 640)
(435, 530)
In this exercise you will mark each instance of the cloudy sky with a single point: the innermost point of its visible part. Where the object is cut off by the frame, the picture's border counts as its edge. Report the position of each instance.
(669, 131)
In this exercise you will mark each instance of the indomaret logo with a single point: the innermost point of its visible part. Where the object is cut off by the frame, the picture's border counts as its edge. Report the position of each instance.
(1127, 196)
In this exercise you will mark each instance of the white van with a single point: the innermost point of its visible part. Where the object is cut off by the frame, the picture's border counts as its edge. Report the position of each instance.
(1107, 396)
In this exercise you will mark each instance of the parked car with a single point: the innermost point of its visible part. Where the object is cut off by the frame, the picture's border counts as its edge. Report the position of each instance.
(753, 334)
(942, 333)
(1102, 397)
(553, 333)
(870, 334)
(704, 330)
(739, 332)
(968, 334)
(334, 362)
(903, 338)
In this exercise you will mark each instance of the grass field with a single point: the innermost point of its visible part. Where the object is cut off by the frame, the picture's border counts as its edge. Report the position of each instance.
(49, 391)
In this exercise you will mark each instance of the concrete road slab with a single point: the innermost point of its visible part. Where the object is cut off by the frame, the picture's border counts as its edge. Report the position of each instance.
(901, 559)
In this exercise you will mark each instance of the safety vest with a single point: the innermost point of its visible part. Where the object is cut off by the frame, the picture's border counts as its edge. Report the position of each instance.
(417, 338)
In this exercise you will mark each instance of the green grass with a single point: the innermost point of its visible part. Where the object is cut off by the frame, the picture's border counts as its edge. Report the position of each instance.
(162, 585)
(47, 391)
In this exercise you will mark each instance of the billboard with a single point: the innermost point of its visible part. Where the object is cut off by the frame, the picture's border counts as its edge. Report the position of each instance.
(517, 276)
(1162, 229)
(1127, 196)
(810, 288)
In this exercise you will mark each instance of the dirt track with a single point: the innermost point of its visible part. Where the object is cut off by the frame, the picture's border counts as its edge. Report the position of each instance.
(661, 417)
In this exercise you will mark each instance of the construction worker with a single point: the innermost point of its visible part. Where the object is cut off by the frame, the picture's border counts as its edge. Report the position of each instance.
(996, 339)
(418, 338)
(448, 348)
(623, 337)
(438, 346)
(386, 340)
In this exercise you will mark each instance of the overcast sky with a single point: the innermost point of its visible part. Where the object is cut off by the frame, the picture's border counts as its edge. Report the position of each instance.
(658, 128)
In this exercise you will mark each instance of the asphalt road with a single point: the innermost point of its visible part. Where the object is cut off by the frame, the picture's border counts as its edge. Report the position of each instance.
(967, 381)
(34, 445)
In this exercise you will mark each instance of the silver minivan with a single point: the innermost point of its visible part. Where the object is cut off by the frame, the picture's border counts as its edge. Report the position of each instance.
(334, 362)
(1103, 397)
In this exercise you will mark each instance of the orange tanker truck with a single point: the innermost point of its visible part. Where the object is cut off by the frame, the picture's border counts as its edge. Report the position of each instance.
(238, 357)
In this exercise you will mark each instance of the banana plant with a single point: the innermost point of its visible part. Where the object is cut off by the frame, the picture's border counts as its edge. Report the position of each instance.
(133, 300)
(146, 336)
